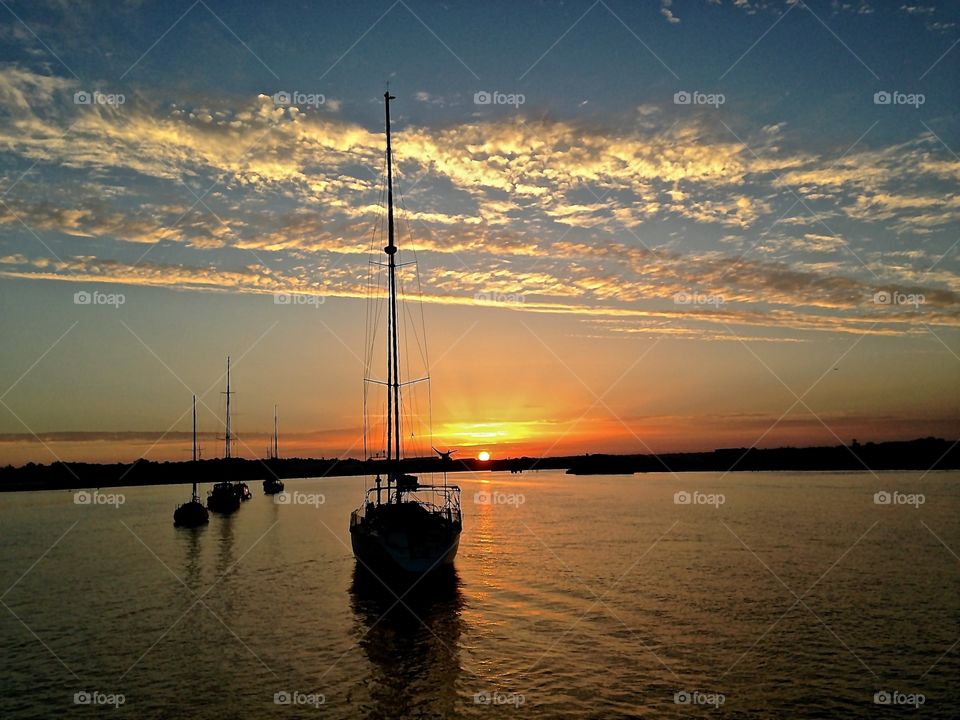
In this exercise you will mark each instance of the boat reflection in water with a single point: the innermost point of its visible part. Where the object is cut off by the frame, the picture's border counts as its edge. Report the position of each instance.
(413, 646)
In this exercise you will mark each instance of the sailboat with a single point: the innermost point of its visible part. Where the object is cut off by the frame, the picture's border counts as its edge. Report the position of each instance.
(274, 485)
(225, 496)
(402, 525)
(192, 514)
(240, 488)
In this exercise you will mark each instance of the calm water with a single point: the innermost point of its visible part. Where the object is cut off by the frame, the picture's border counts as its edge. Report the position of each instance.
(596, 597)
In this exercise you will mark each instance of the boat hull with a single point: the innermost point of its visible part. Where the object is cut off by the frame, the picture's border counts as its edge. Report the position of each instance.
(272, 487)
(223, 499)
(191, 514)
(399, 551)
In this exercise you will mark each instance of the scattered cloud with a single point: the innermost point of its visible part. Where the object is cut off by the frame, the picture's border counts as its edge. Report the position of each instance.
(573, 216)
(667, 12)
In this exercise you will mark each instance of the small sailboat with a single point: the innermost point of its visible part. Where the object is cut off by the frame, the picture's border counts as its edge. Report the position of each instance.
(241, 489)
(402, 525)
(192, 514)
(225, 496)
(274, 485)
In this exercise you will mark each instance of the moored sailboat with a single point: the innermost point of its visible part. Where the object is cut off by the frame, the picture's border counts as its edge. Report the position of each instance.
(274, 485)
(225, 496)
(402, 525)
(193, 513)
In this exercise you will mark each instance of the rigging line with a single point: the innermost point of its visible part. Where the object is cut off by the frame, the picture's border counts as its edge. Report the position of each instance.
(366, 368)
(366, 338)
(410, 326)
(416, 264)
(414, 398)
(378, 303)
(377, 232)
(426, 361)
(424, 352)
(409, 402)
(409, 399)
(373, 301)
(416, 336)
(375, 316)
(405, 410)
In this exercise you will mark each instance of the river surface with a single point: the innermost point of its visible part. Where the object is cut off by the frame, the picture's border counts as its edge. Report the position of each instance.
(749, 595)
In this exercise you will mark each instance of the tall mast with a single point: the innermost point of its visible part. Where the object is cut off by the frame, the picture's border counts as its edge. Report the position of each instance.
(393, 362)
(194, 470)
(227, 438)
(276, 435)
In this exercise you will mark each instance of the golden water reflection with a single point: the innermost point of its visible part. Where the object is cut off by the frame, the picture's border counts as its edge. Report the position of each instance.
(410, 634)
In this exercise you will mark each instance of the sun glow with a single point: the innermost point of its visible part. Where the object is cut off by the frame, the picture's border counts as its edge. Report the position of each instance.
(475, 433)
(483, 456)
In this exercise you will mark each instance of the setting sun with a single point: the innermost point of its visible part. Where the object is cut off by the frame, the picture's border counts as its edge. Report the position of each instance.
(483, 456)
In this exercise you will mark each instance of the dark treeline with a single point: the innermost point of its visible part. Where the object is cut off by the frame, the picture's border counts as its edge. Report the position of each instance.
(924, 454)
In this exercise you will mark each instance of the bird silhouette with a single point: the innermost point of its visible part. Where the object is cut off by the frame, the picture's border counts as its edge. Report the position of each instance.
(445, 455)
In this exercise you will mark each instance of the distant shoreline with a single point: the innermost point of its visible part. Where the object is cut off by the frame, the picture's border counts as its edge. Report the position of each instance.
(921, 455)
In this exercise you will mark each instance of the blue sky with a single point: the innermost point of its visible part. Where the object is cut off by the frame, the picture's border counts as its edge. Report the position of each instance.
(785, 218)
